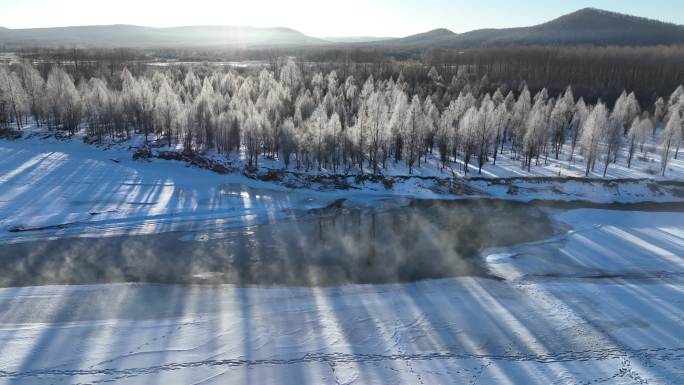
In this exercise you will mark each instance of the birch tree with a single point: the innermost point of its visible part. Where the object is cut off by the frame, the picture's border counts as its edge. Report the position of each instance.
(13, 95)
(592, 132)
(671, 136)
(637, 135)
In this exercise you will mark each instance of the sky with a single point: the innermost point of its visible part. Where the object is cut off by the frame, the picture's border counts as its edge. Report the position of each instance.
(321, 18)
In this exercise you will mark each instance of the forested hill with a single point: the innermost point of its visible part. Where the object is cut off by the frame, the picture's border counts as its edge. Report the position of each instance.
(132, 36)
(586, 26)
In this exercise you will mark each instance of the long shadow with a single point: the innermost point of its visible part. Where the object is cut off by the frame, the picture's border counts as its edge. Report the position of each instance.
(50, 343)
(295, 253)
(359, 332)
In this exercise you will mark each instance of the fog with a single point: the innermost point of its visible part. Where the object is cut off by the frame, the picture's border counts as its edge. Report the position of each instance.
(427, 239)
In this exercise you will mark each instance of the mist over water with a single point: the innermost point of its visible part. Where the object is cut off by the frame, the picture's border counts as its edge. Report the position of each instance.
(427, 239)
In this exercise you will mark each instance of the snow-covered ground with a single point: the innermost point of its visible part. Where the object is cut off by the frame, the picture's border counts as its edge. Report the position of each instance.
(644, 165)
(603, 304)
(64, 187)
(74, 188)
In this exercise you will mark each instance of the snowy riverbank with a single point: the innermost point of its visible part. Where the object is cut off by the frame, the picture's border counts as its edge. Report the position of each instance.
(63, 187)
(602, 304)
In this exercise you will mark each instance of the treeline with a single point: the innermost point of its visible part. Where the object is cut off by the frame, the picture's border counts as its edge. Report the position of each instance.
(594, 72)
(312, 120)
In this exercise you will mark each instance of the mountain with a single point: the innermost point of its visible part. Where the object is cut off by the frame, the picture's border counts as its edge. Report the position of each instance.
(356, 39)
(137, 36)
(586, 26)
(435, 38)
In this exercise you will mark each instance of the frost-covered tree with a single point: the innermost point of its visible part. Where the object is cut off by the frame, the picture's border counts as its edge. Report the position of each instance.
(192, 84)
(675, 97)
(561, 115)
(431, 115)
(333, 137)
(592, 133)
(486, 130)
(202, 116)
(519, 118)
(659, 111)
(637, 135)
(578, 119)
(379, 133)
(316, 120)
(166, 112)
(535, 135)
(468, 135)
(671, 136)
(499, 122)
(13, 95)
(96, 102)
(414, 131)
(613, 135)
(288, 141)
(447, 135)
(434, 75)
(398, 122)
(251, 132)
(64, 100)
(291, 77)
(130, 98)
(317, 125)
(34, 85)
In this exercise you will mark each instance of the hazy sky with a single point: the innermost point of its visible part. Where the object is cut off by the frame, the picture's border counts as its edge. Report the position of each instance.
(321, 18)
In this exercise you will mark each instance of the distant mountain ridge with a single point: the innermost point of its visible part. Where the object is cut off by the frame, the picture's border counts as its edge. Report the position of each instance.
(356, 39)
(121, 35)
(436, 37)
(585, 26)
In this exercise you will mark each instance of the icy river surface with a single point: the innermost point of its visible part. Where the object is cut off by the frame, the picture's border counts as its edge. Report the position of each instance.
(332, 246)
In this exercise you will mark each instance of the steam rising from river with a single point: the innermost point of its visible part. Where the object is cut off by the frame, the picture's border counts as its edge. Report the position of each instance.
(427, 239)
